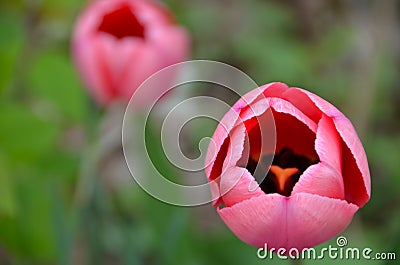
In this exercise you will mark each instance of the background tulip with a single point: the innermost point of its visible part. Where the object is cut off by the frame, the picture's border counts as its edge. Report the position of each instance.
(118, 44)
(319, 175)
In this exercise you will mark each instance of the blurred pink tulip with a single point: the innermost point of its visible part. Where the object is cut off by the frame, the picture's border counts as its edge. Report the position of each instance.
(117, 44)
(319, 175)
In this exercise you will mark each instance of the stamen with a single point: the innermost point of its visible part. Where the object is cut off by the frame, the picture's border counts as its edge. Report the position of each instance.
(282, 176)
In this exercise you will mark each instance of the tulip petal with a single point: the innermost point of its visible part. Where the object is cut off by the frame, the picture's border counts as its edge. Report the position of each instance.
(117, 56)
(92, 70)
(321, 179)
(257, 108)
(275, 89)
(269, 90)
(303, 220)
(171, 43)
(120, 55)
(220, 142)
(355, 171)
(356, 174)
(328, 143)
(229, 121)
(284, 106)
(286, 125)
(260, 127)
(295, 96)
(258, 220)
(323, 105)
(313, 219)
(237, 185)
(235, 147)
(142, 65)
(215, 194)
(294, 134)
(301, 101)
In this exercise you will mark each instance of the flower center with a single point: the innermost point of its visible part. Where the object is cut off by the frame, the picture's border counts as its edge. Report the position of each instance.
(284, 172)
(121, 23)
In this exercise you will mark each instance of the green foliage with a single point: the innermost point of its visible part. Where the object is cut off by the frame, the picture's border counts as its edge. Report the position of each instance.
(7, 202)
(53, 78)
(25, 137)
(11, 37)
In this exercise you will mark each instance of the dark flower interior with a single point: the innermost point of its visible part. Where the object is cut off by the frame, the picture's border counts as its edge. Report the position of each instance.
(122, 23)
(294, 154)
(285, 159)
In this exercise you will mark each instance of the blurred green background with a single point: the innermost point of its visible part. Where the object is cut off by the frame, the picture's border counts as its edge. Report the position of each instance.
(66, 196)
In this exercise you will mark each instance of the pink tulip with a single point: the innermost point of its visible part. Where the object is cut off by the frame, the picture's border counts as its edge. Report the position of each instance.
(117, 44)
(318, 179)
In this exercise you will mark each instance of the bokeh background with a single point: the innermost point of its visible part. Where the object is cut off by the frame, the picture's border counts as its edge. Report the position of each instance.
(66, 196)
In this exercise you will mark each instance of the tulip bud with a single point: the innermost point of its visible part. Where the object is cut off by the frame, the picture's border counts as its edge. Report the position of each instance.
(117, 44)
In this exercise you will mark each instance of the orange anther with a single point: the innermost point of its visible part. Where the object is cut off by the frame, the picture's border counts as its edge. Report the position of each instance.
(282, 175)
